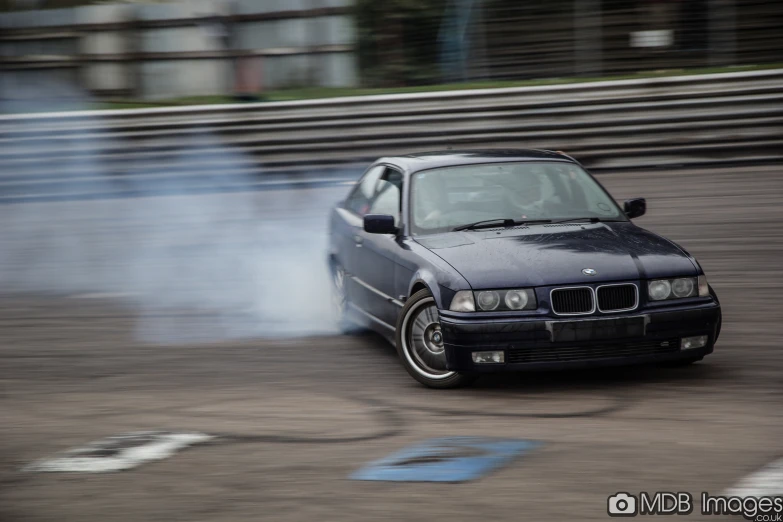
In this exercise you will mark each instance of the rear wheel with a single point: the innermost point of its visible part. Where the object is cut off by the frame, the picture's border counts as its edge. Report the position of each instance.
(420, 344)
(339, 301)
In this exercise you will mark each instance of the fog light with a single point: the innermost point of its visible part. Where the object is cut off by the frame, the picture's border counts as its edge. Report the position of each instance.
(488, 357)
(693, 342)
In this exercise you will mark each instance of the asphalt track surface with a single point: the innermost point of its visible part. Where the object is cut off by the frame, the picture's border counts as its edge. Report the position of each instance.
(295, 416)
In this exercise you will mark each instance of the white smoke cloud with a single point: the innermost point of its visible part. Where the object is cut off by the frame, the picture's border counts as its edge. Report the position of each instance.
(193, 266)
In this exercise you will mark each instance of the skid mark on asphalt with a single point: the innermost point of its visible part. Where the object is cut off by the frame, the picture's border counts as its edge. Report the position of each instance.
(540, 406)
(768, 481)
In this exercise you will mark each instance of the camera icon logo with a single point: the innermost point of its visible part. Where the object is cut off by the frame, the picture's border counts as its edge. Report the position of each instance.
(622, 504)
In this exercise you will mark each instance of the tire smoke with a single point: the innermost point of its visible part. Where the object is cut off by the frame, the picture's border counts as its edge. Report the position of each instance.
(196, 256)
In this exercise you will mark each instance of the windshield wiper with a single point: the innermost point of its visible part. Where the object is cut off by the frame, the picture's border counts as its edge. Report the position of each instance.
(585, 219)
(506, 222)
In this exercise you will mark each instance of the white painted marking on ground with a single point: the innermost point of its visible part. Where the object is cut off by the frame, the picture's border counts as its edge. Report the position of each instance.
(120, 452)
(347, 183)
(768, 481)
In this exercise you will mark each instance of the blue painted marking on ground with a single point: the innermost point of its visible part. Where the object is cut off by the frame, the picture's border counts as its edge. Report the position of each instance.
(451, 459)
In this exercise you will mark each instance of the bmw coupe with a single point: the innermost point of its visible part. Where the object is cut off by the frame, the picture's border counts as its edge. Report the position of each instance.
(507, 260)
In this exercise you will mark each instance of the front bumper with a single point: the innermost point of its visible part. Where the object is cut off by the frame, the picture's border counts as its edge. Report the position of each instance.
(527, 342)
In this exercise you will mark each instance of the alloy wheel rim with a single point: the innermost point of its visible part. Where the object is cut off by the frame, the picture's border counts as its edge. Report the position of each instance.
(423, 340)
(338, 294)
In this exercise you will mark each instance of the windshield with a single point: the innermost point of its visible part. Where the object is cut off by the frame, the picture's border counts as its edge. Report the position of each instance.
(445, 198)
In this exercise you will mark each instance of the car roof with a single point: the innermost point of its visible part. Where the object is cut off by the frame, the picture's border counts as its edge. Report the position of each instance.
(449, 158)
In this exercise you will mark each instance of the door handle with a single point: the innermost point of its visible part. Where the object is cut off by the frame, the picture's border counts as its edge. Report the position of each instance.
(358, 240)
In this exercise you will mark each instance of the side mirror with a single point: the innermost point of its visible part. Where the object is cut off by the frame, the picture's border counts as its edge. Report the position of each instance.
(379, 224)
(635, 208)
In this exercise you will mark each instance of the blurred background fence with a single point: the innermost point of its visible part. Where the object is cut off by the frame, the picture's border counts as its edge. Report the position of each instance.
(199, 47)
(710, 120)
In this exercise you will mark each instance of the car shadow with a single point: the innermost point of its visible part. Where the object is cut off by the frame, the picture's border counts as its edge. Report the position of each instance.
(599, 379)
(603, 378)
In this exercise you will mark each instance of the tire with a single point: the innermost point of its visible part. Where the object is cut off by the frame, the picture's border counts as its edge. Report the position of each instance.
(339, 302)
(420, 344)
(720, 317)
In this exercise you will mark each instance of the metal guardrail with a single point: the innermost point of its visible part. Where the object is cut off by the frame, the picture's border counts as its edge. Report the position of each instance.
(663, 122)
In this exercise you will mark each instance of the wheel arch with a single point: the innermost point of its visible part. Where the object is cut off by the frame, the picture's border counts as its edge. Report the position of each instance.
(332, 261)
(424, 280)
(418, 286)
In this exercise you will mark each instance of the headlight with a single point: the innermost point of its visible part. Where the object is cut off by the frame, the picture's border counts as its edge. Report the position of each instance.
(675, 288)
(659, 290)
(511, 299)
(683, 287)
(488, 300)
(516, 299)
(463, 302)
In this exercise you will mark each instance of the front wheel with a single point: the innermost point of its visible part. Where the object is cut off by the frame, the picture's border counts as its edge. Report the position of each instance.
(420, 344)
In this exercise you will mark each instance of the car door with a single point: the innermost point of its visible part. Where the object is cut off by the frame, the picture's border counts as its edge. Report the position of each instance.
(375, 254)
(346, 225)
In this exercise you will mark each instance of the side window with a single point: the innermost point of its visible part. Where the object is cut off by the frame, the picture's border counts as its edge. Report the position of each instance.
(359, 200)
(387, 195)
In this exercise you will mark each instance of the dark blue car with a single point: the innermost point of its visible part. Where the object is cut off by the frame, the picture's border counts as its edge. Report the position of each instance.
(506, 260)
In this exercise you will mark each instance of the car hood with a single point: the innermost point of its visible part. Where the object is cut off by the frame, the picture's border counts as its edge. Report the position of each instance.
(543, 255)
